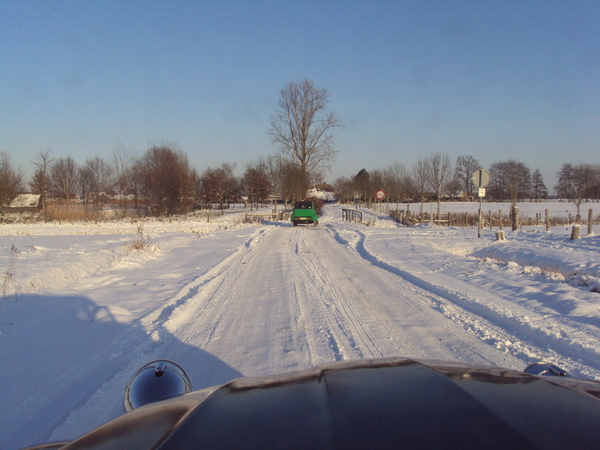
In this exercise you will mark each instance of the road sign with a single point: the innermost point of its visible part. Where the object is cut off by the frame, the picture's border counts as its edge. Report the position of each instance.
(481, 178)
(380, 194)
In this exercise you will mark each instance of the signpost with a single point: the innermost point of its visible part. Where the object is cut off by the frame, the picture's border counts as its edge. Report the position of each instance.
(481, 178)
(380, 195)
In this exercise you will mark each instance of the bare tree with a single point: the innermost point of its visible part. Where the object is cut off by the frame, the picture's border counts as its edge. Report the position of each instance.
(465, 166)
(11, 180)
(438, 172)
(510, 180)
(399, 182)
(303, 128)
(96, 180)
(40, 182)
(378, 181)
(343, 189)
(127, 170)
(295, 181)
(419, 176)
(256, 182)
(166, 179)
(86, 181)
(288, 181)
(575, 182)
(65, 178)
(219, 185)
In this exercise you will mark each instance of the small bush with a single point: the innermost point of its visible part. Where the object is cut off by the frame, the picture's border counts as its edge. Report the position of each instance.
(140, 241)
(318, 204)
(9, 278)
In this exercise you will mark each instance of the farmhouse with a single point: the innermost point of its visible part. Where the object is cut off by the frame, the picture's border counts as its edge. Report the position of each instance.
(25, 203)
(322, 191)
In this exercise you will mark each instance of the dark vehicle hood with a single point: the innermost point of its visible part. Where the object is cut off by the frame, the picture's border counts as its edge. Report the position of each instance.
(371, 403)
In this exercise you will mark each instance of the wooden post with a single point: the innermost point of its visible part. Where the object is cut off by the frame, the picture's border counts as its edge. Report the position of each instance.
(500, 219)
(490, 215)
(590, 218)
(547, 220)
(575, 231)
(515, 218)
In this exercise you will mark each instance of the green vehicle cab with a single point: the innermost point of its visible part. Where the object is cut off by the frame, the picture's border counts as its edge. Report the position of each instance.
(304, 213)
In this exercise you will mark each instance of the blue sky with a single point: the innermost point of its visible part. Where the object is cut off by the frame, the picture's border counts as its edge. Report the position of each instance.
(493, 79)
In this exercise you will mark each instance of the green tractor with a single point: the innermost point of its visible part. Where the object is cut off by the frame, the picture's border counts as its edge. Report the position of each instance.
(304, 213)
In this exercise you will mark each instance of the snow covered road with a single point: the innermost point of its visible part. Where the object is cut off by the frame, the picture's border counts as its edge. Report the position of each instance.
(255, 300)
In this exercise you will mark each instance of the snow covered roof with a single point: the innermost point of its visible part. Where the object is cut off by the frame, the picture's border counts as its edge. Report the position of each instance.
(323, 191)
(25, 201)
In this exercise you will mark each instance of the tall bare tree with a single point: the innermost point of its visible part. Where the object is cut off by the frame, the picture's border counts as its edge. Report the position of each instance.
(256, 182)
(40, 182)
(128, 180)
(303, 128)
(166, 179)
(399, 182)
(11, 180)
(438, 170)
(419, 176)
(65, 178)
(288, 181)
(219, 185)
(96, 180)
(343, 189)
(465, 166)
(510, 180)
(576, 182)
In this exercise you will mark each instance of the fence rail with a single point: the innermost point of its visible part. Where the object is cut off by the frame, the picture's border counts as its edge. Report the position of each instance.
(492, 219)
(274, 216)
(351, 215)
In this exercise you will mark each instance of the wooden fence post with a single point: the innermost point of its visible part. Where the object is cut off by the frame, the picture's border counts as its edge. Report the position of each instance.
(515, 218)
(500, 219)
(575, 231)
(547, 220)
(590, 219)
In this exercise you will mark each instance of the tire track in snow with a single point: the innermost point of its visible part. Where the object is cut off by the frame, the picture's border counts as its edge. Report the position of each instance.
(372, 313)
(496, 322)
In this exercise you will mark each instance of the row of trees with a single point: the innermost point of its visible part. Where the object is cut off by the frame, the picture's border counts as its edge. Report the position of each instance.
(436, 177)
(162, 181)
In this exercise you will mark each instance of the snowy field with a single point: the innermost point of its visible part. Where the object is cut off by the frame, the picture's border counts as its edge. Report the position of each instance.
(82, 308)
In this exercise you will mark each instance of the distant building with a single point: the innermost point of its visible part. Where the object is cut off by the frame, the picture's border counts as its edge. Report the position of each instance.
(25, 203)
(322, 191)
